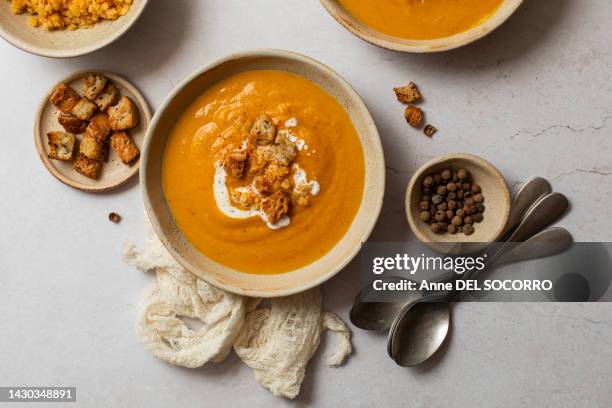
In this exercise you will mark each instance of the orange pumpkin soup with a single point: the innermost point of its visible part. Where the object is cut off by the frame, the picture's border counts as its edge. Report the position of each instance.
(264, 172)
(421, 19)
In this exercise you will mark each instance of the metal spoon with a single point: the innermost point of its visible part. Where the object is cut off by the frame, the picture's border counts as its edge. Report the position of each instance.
(529, 194)
(380, 315)
(421, 327)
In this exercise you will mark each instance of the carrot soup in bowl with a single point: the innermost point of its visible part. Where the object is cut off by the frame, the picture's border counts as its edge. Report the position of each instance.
(264, 173)
(421, 25)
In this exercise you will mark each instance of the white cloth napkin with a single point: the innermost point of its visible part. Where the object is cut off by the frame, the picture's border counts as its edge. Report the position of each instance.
(276, 342)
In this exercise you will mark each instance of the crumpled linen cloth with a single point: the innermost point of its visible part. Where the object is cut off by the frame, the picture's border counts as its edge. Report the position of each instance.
(277, 342)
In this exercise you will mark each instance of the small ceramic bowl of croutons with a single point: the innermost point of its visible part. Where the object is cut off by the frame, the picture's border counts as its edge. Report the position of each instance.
(89, 130)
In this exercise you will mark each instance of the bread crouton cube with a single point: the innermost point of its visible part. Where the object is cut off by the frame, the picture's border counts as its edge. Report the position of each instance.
(125, 147)
(234, 162)
(108, 97)
(99, 127)
(94, 84)
(414, 116)
(87, 167)
(84, 109)
(407, 94)
(72, 124)
(263, 131)
(276, 206)
(124, 115)
(64, 98)
(92, 148)
(61, 145)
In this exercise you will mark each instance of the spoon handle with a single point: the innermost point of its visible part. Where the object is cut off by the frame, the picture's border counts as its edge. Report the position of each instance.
(545, 212)
(528, 195)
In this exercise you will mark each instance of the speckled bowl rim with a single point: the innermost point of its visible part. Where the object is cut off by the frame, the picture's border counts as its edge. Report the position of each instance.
(356, 27)
(99, 43)
(376, 200)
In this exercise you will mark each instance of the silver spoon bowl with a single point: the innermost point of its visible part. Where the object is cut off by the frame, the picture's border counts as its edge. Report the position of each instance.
(408, 345)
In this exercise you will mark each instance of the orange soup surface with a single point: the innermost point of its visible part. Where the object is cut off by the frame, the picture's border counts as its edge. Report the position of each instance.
(326, 153)
(421, 19)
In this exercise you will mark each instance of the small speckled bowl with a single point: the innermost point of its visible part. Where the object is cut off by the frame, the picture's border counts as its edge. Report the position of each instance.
(64, 43)
(178, 245)
(419, 46)
(497, 204)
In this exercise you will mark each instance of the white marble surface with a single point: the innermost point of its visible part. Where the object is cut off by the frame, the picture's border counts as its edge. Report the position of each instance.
(535, 98)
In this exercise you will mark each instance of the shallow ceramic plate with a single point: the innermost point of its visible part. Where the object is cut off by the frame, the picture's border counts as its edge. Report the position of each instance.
(114, 173)
(497, 203)
(63, 43)
(419, 46)
(232, 280)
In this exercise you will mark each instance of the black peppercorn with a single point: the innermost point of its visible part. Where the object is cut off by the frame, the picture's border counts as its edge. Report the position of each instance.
(441, 190)
(476, 189)
(451, 229)
(428, 181)
(462, 174)
(480, 208)
(457, 221)
(437, 179)
(437, 199)
(468, 229)
(424, 206)
(468, 220)
(478, 198)
(443, 206)
(477, 218)
(425, 216)
(450, 214)
(446, 175)
(451, 187)
(452, 205)
(440, 216)
(435, 228)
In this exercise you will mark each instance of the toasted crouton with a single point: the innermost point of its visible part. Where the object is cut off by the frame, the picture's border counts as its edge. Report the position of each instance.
(414, 116)
(124, 115)
(64, 98)
(61, 145)
(94, 84)
(429, 130)
(87, 167)
(72, 124)
(276, 206)
(99, 127)
(407, 94)
(84, 109)
(263, 131)
(125, 147)
(108, 97)
(93, 148)
(234, 162)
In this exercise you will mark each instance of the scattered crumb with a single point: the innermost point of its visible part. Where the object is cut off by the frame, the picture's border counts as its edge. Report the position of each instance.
(114, 217)
(429, 130)
(407, 94)
(414, 116)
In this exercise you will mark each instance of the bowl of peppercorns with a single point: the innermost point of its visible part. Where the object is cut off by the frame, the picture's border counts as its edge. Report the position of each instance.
(457, 198)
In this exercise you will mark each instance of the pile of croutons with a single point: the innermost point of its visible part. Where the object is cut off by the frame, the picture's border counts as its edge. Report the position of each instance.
(267, 159)
(103, 115)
